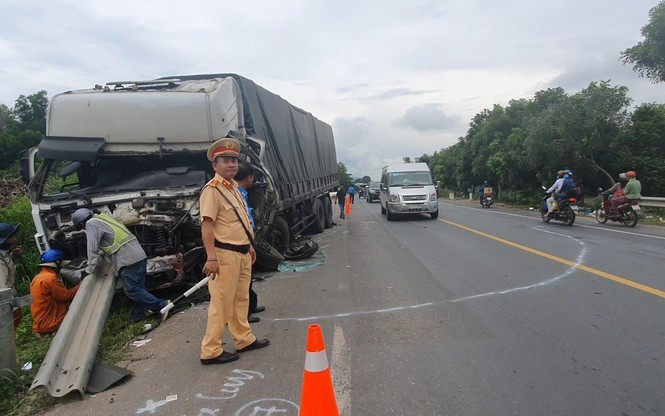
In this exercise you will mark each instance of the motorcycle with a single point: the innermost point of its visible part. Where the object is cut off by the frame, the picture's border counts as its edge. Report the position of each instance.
(487, 200)
(627, 213)
(564, 212)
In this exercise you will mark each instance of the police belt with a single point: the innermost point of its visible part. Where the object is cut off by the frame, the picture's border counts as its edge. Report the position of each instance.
(244, 249)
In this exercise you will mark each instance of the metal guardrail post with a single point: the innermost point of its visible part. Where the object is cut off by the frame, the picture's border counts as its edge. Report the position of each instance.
(7, 342)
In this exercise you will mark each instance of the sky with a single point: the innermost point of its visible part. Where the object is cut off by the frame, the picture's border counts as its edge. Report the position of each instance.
(393, 78)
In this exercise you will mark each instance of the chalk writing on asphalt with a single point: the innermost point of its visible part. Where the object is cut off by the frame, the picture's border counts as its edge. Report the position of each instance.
(269, 407)
(233, 384)
(151, 406)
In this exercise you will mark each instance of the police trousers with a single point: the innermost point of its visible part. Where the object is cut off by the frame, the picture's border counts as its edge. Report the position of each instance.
(229, 303)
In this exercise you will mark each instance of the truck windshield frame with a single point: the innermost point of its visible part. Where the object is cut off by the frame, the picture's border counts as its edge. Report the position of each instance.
(116, 174)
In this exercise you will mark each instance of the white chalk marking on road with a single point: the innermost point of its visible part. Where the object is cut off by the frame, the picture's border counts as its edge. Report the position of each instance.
(273, 409)
(571, 270)
(233, 384)
(340, 368)
(568, 272)
(151, 406)
(595, 227)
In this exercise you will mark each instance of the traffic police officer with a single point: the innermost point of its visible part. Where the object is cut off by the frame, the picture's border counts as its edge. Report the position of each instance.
(227, 237)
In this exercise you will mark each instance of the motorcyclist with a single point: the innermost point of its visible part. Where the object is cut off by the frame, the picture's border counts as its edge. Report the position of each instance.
(567, 189)
(556, 187)
(616, 190)
(482, 191)
(631, 192)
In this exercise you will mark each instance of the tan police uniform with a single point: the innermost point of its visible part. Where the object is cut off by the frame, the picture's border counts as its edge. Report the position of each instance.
(229, 291)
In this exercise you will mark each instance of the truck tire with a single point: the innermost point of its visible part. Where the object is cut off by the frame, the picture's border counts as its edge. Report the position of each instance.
(327, 208)
(279, 235)
(319, 223)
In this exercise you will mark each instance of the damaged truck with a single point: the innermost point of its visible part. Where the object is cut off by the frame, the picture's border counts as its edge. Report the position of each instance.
(137, 151)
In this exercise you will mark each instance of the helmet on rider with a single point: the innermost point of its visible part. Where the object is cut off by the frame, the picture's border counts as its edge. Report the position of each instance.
(622, 175)
(53, 258)
(631, 174)
(569, 172)
(80, 216)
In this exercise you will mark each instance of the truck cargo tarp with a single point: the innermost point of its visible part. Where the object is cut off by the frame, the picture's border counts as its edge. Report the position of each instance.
(300, 146)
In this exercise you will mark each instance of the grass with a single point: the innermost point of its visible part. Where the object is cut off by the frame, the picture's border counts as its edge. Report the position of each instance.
(118, 330)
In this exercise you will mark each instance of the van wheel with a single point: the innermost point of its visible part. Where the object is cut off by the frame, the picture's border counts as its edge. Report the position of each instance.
(383, 209)
(389, 216)
(319, 223)
(435, 214)
(327, 208)
(278, 234)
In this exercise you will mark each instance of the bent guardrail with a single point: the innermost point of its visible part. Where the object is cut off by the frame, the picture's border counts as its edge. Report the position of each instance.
(71, 356)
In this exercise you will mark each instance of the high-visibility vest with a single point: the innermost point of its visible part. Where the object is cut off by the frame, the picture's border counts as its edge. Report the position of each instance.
(121, 234)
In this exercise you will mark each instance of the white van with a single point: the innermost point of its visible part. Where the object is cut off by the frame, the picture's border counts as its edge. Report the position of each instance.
(408, 188)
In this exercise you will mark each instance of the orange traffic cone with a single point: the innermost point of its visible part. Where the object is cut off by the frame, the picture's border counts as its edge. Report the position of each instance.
(318, 396)
(347, 205)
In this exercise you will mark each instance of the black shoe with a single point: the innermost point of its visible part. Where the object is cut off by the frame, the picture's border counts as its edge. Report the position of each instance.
(259, 343)
(226, 357)
(258, 309)
(253, 319)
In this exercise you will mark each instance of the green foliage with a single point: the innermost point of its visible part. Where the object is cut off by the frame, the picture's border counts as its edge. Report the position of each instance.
(364, 179)
(520, 147)
(345, 178)
(648, 56)
(21, 127)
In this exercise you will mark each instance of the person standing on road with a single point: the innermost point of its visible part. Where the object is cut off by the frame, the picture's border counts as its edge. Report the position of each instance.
(227, 236)
(245, 179)
(50, 297)
(352, 193)
(8, 238)
(341, 196)
(107, 237)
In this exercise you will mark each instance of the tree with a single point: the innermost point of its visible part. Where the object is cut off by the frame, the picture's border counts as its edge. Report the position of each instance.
(648, 56)
(364, 179)
(344, 176)
(406, 159)
(30, 111)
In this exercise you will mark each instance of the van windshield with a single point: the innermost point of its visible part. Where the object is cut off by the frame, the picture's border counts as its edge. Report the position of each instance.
(409, 179)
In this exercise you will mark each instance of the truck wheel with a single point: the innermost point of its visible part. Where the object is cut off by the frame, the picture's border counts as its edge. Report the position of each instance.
(327, 208)
(319, 223)
(278, 234)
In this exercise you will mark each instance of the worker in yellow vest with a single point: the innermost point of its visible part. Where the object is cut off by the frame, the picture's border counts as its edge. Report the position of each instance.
(109, 238)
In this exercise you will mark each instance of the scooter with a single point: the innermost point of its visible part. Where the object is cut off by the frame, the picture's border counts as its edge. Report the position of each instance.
(564, 213)
(627, 213)
(487, 200)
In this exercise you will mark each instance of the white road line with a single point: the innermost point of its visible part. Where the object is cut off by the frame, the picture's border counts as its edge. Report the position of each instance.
(538, 219)
(340, 369)
(568, 272)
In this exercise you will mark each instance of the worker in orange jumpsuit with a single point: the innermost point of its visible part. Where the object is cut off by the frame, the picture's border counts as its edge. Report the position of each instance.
(50, 297)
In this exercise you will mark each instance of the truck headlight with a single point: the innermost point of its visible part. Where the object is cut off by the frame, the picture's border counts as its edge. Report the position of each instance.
(394, 198)
(432, 197)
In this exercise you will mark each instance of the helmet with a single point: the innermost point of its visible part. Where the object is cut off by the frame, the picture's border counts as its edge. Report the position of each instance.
(6, 231)
(631, 174)
(80, 216)
(53, 258)
(569, 172)
(559, 174)
(622, 175)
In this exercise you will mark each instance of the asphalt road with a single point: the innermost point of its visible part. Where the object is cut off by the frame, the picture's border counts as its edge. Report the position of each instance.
(481, 312)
